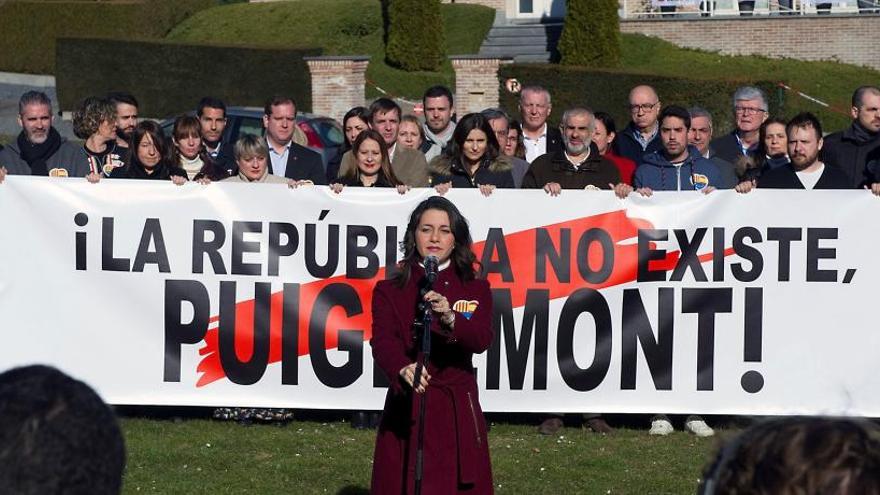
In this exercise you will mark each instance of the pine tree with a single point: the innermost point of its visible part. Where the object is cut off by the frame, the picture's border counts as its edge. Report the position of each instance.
(415, 37)
(591, 35)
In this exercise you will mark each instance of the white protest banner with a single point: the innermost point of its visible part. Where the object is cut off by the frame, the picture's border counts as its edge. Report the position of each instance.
(678, 303)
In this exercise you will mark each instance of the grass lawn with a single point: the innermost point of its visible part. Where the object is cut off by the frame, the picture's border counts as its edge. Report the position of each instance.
(203, 456)
(831, 82)
(350, 27)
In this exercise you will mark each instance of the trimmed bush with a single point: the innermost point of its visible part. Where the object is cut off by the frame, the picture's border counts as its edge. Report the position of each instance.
(170, 78)
(31, 28)
(591, 34)
(158, 17)
(415, 38)
(608, 90)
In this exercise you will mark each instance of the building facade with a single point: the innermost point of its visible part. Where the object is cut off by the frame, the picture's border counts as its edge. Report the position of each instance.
(525, 10)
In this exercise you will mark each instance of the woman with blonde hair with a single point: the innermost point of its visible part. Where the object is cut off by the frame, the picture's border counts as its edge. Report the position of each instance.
(252, 157)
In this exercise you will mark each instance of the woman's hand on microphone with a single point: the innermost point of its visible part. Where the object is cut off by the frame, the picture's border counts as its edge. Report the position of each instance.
(408, 373)
(440, 305)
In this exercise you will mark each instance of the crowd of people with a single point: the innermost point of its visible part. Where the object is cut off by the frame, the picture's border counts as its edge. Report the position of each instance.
(662, 148)
(484, 150)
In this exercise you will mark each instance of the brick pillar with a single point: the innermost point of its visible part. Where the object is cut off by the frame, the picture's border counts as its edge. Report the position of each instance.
(337, 83)
(476, 82)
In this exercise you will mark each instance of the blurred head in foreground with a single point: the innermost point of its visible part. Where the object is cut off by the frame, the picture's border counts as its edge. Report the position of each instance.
(801, 456)
(56, 436)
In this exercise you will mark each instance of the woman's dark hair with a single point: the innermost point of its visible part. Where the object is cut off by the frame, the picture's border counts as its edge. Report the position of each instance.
(762, 133)
(363, 113)
(135, 168)
(608, 121)
(749, 167)
(187, 126)
(463, 259)
(790, 456)
(384, 170)
(520, 150)
(92, 112)
(455, 148)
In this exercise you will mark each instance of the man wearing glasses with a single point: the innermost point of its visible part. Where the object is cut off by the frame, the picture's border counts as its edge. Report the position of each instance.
(641, 136)
(750, 111)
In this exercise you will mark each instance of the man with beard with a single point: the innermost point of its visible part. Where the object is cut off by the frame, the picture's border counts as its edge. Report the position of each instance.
(126, 116)
(750, 111)
(806, 170)
(439, 123)
(578, 165)
(676, 166)
(848, 150)
(39, 149)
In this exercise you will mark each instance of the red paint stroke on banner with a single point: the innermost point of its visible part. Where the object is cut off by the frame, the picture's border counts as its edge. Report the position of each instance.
(520, 250)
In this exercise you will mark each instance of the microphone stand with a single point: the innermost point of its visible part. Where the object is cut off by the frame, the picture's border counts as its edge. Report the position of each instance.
(421, 363)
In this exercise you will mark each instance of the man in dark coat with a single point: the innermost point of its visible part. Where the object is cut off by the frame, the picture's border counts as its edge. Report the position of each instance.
(805, 171)
(749, 111)
(288, 159)
(39, 149)
(538, 136)
(439, 107)
(699, 136)
(641, 135)
(212, 123)
(578, 165)
(848, 149)
(126, 117)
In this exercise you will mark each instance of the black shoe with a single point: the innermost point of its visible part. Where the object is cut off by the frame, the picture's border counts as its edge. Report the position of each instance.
(360, 420)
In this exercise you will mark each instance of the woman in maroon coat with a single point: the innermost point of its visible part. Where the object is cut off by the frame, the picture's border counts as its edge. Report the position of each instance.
(456, 451)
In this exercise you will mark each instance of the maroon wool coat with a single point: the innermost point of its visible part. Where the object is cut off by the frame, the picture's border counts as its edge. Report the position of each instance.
(456, 449)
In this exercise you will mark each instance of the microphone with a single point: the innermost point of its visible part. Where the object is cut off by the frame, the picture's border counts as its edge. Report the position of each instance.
(431, 263)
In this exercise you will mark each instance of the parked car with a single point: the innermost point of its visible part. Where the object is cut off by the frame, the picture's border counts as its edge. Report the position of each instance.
(322, 134)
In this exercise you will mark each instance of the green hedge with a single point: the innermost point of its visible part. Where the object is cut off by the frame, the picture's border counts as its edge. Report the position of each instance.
(29, 28)
(591, 35)
(169, 78)
(608, 90)
(414, 42)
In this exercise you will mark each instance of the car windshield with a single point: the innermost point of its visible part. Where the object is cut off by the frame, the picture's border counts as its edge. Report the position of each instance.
(331, 133)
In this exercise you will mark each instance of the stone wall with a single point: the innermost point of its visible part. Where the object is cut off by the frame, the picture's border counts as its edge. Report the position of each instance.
(476, 82)
(337, 83)
(852, 39)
